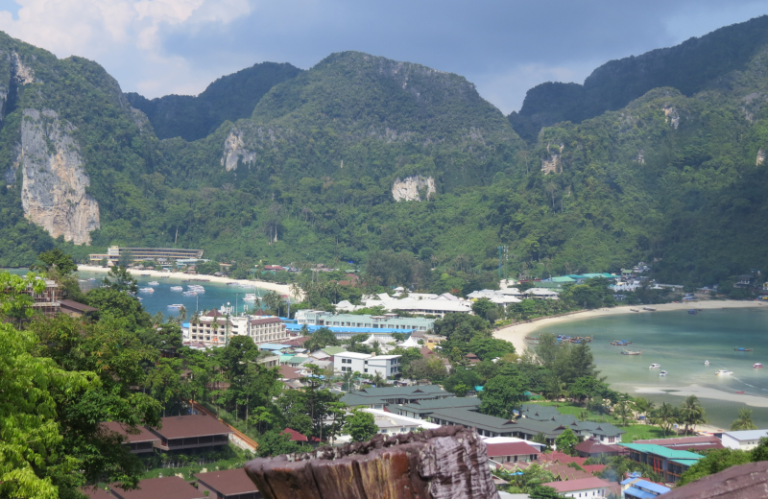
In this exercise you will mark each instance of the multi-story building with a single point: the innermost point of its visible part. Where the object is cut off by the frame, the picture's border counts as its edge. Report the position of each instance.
(743, 440)
(365, 363)
(140, 254)
(214, 328)
(347, 325)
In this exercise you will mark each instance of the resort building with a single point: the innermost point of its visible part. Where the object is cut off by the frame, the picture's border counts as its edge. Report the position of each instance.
(365, 363)
(214, 328)
(512, 452)
(669, 463)
(169, 487)
(141, 254)
(227, 484)
(705, 442)
(743, 440)
(142, 442)
(414, 303)
(377, 398)
(191, 433)
(348, 325)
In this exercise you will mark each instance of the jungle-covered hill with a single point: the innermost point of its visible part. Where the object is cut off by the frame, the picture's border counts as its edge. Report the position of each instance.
(290, 165)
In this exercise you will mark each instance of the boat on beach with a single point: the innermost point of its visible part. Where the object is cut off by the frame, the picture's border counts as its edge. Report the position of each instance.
(662, 373)
(723, 372)
(633, 310)
(649, 309)
(630, 352)
(654, 366)
(757, 365)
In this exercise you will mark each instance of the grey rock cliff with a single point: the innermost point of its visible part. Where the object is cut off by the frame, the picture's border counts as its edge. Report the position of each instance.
(411, 188)
(53, 180)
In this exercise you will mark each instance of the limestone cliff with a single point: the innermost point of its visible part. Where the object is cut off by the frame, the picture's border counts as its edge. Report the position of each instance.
(412, 188)
(235, 150)
(53, 180)
(551, 163)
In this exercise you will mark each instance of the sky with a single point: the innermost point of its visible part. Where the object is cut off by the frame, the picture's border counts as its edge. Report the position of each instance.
(505, 47)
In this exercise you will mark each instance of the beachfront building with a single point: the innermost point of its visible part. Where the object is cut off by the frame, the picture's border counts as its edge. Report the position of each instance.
(669, 463)
(364, 363)
(112, 256)
(213, 329)
(743, 440)
(347, 325)
(424, 304)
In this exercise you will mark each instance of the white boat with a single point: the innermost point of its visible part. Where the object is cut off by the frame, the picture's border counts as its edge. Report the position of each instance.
(250, 298)
(723, 372)
(706, 362)
(177, 288)
(189, 293)
(176, 306)
(146, 290)
(662, 373)
(153, 283)
(654, 366)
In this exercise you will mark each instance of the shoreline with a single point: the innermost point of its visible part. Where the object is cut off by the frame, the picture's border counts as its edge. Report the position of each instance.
(703, 392)
(283, 289)
(516, 333)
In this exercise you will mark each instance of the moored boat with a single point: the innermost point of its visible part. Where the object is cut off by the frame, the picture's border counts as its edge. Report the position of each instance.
(176, 306)
(189, 293)
(146, 290)
(630, 352)
(662, 373)
(250, 298)
(723, 372)
(706, 362)
(654, 366)
(153, 283)
(757, 365)
(693, 311)
(177, 288)
(742, 349)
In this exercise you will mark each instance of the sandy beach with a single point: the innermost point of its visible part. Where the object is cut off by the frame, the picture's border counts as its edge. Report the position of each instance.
(703, 393)
(516, 333)
(283, 289)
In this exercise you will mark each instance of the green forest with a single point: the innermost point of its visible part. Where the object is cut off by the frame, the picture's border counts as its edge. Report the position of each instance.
(279, 165)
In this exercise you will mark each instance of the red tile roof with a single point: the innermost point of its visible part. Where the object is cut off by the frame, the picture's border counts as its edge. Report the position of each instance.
(579, 484)
(510, 449)
(295, 435)
(592, 446)
(170, 487)
(190, 426)
(562, 458)
(227, 482)
(593, 468)
(143, 434)
(685, 443)
(266, 320)
(297, 342)
(288, 372)
(96, 493)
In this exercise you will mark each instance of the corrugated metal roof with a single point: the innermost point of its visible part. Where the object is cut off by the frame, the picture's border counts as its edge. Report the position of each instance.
(658, 450)
(228, 482)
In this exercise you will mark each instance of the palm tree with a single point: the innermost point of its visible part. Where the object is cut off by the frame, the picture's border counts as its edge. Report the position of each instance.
(744, 421)
(692, 412)
(183, 314)
(665, 415)
(623, 411)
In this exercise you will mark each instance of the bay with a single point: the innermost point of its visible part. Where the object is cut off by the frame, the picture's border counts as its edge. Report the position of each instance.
(681, 342)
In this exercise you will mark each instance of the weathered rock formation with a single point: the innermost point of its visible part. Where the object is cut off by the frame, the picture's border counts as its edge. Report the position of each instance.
(412, 188)
(447, 463)
(551, 164)
(235, 150)
(760, 159)
(53, 180)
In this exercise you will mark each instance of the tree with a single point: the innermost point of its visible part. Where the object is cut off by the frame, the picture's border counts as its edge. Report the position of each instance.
(125, 259)
(501, 395)
(692, 412)
(361, 426)
(164, 383)
(486, 309)
(321, 338)
(55, 259)
(489, 348)
(623, 410)
(547, 350)
(273, 443)
(432, 369)
(744, 421)
(666, 414)
(119, 279)
(714, 462)
(566, 442)
(461, 328)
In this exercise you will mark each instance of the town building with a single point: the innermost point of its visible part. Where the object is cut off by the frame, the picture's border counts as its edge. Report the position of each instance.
(191, 433)
(414, 303)
(227, 484)
(170, 487)
(75, 309)
(347, 325)
(637, 488)
(377, 398)
(743, 440)
(364, 363)
(592, 488)
(593, 448)
(142, 442)
(512, 452)
(693, 444)
(141, 254)
(669, 463)
(213, 329)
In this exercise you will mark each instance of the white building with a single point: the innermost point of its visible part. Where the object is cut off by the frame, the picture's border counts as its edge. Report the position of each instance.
(365, 363)
(214, 329)
(414, 303)
(541, 294)
(743, 440)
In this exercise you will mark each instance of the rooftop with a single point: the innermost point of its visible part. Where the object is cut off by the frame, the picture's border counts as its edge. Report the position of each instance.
(664, 452)
(510, 449)
(227, 482)
(747, 434)
(142, 435)
(190, 426)
(354, 355)
(747, 481)
(578, 484)
(171, 487)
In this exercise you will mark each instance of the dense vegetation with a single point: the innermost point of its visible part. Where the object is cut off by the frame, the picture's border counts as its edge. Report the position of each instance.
(670, 174)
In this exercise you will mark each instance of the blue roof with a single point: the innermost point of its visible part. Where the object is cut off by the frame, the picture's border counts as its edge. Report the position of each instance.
(640, 494)
(273, 346)
(185, 324)
(355, 330)
(644, 484)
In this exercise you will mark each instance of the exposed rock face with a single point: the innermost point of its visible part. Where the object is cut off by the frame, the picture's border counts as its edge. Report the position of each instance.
(551, 164)
(53, 181)
(760, 159)
(447, 463)
(234, 150)
(411, 188)
(672, 116)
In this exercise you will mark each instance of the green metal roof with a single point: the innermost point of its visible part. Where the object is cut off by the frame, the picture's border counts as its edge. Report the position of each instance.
(333, 350)
(297, 360)
(658, 450)
(563, 278)
(546, 284)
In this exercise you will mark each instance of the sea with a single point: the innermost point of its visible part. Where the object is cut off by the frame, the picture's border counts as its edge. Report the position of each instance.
(681, 343)
(216, 294)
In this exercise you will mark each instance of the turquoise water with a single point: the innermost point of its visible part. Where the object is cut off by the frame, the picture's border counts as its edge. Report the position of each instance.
(216, 294)
(681, 342)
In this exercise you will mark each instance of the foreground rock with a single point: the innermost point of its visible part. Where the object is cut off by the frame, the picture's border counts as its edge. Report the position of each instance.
(447, 463)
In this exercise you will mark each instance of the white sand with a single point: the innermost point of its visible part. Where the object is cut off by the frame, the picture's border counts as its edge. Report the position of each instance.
(516, 333)
(704, 393)
(283, 289)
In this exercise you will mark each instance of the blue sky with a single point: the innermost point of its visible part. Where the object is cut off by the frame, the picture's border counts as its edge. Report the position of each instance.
(158, 47)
